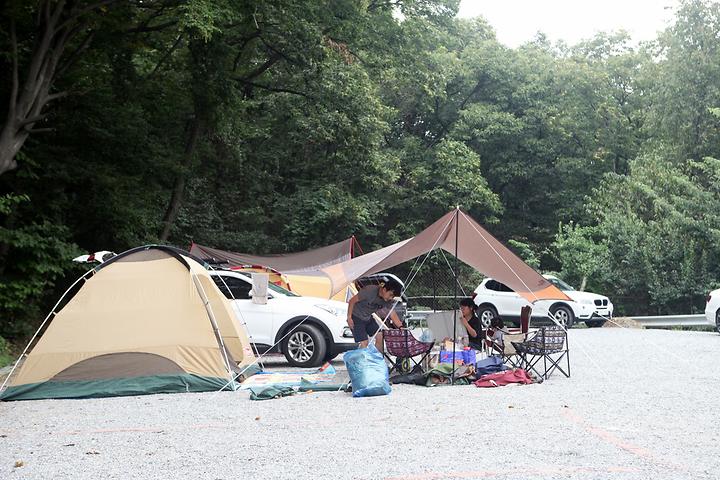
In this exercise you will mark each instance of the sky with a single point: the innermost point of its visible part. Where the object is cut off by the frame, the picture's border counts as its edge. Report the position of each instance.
(517, 21)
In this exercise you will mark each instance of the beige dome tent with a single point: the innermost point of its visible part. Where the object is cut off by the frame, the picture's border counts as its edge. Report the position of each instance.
(150, 320)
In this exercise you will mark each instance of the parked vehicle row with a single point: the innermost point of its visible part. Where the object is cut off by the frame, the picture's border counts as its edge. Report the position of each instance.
(494, 298)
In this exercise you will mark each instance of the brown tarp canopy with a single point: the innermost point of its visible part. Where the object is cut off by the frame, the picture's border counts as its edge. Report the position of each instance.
(475, 246)
(308, 262)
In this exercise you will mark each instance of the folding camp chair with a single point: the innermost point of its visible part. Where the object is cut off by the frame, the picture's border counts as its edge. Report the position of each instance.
(548, 344)
(506, 350)
(525, 313)
(401, 344)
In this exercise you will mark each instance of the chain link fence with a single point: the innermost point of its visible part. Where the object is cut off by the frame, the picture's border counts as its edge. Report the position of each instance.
(433, 286)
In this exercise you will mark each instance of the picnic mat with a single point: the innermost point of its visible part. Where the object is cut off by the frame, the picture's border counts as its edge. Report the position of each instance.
(297, 378)
(269, 392)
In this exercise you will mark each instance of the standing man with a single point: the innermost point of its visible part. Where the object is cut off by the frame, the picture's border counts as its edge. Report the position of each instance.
(367, 301)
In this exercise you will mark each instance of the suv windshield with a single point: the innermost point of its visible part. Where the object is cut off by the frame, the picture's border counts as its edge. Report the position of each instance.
(560, 284)
(277, 289)
(272, 286)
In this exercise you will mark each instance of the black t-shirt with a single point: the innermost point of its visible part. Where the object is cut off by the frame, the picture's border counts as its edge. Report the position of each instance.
(477, 326)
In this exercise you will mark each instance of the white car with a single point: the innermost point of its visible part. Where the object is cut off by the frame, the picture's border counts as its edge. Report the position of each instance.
(495, 298)
(323, 334)
(712, 309)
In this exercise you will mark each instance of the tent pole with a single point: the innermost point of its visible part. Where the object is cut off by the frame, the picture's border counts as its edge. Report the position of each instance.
(218, 336)
(52, 313)
(455, 294)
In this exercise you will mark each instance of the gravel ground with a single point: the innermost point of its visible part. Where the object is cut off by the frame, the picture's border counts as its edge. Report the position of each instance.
(640, 404)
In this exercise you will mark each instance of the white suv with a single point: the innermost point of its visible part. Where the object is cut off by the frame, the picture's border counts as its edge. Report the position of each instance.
(495, 298)
(712, 309)
(322, 336)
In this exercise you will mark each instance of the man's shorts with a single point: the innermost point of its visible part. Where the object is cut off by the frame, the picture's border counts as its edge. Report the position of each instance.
(364, 329)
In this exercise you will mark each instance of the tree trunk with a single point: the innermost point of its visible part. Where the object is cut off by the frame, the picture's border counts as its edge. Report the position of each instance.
(57, 23)
(179, 186)
(10, 144)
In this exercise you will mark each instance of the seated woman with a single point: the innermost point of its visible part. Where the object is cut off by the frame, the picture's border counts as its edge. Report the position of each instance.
(472, 324)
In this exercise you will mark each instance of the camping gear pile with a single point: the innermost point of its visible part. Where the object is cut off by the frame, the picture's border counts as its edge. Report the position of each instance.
(445, 374)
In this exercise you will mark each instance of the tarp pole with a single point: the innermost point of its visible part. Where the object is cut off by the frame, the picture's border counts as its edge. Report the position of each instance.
(455, 274)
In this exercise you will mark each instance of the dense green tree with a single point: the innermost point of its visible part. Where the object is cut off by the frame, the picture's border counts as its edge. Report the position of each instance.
(286, 125)
(686, 84)
(656, 244)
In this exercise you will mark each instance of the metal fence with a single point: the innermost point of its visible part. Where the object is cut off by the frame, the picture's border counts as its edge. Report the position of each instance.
(433, 287)
(660, 321)
(672, 321)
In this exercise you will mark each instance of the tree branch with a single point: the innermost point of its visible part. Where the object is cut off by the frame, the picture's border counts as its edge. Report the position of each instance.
(278, 52)
(46, 74)
(57, 96)
(472, 93)
(167, 55)
(154, 28)
(55, 16)
(262, 68)
(75, 55)
(15, 75)
(39, 55)
(152, 16)
(43, 13)
(245, 41)
(274, 89)
(31, 120)
(75, 14)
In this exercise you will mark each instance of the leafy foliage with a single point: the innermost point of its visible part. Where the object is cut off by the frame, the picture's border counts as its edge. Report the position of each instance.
(281, 126)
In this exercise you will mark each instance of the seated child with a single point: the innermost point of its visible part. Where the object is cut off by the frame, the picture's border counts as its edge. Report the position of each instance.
(495, 334)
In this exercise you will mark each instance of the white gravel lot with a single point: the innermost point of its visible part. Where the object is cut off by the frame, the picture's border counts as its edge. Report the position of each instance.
(640, 404)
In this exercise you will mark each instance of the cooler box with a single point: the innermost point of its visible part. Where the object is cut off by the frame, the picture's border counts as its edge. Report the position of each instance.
(446, 356)
(464, 357)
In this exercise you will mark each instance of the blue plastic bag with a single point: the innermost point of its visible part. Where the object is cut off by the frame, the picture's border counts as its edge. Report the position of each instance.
(368, 372)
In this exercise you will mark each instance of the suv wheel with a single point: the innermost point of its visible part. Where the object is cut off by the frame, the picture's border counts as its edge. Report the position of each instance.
(485, 313)
(563, 315)
(717, 321)
(305, 346)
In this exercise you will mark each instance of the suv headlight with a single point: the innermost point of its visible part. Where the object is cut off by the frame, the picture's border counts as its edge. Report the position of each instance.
(338, 312)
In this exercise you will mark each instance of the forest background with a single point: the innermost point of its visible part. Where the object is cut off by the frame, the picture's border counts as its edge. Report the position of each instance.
(279, 126)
